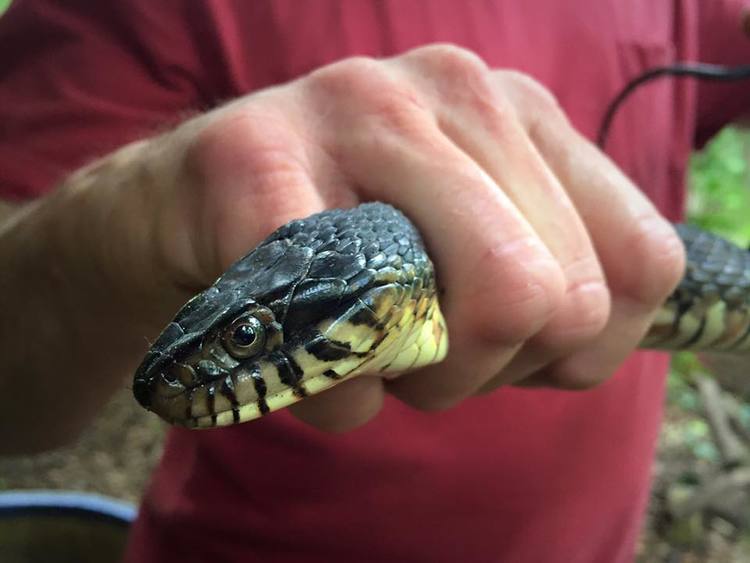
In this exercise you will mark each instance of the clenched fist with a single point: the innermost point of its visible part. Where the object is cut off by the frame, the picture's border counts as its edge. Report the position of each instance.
(552, 263)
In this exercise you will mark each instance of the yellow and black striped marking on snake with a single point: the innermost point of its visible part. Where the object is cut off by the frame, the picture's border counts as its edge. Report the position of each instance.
(348, 292)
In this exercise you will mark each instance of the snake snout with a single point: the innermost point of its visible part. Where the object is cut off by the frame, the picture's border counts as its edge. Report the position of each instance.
(182, 391)
(142, 392)
(162, 379)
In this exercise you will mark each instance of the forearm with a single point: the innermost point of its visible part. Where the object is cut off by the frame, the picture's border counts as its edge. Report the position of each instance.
(71, 326)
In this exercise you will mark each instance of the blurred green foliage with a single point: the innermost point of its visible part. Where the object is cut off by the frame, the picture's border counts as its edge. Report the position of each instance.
(719, 186)
(719, 201)
(4, 5)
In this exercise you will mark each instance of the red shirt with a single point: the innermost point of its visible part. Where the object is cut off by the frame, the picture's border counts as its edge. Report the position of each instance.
(519, 475)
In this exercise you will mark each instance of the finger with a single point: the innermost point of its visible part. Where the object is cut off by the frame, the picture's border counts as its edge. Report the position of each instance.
(592, 365)
(249, 172)
(401, 156)
(585, 306)
(640, 253)
(254, 175)
(476, 115)
(485, 126)
(343, 407)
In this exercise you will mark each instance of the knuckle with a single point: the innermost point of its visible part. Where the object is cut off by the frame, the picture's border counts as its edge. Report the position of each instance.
(660, 254)
(522, 289)
(246, 144)
(533, 90)
(239, 164)
(538, 104)
(347, 77)
(396, 109)
(449, 60)
(590, 304)
(374, 96)
(455, 75)
(225, 139)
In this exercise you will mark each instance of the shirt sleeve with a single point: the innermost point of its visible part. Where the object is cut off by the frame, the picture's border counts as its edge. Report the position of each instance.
(722, 40)
(80, 78)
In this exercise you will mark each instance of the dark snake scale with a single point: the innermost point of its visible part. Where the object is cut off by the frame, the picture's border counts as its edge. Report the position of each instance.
(348, 292)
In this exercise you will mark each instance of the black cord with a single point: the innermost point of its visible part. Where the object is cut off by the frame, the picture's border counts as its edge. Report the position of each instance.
(701, 71)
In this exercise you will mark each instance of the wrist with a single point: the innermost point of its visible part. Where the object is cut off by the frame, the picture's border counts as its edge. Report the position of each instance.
(81, 289)
(104, 222)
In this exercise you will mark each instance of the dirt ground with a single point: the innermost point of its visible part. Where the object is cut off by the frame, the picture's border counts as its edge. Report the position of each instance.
(116, 455)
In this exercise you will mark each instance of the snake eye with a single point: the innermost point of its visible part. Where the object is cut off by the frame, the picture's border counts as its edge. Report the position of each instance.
(245, 337)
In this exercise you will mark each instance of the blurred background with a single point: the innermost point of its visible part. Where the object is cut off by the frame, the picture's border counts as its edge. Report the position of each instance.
(700, 503)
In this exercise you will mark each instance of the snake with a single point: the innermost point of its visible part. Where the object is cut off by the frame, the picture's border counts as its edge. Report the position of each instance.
(347, 292)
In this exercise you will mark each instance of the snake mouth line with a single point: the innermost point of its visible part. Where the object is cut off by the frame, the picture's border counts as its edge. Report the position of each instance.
(203, 398)
(247, 391)
(242, 412)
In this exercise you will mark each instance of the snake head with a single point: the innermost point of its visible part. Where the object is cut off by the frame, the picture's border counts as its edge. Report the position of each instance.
(322, 299)
(205, 360)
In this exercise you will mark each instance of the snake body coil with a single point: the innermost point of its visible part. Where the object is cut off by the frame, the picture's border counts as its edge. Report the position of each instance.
(348, 292)
(710, 309)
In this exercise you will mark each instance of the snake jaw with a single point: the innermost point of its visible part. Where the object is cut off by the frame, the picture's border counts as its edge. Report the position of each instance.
(186, 378)
(383, 330)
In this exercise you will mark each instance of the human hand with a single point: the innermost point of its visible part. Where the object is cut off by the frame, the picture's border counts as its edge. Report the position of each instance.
(533, 231)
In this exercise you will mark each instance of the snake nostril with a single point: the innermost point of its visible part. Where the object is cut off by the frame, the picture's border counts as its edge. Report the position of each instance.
(183, 374)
